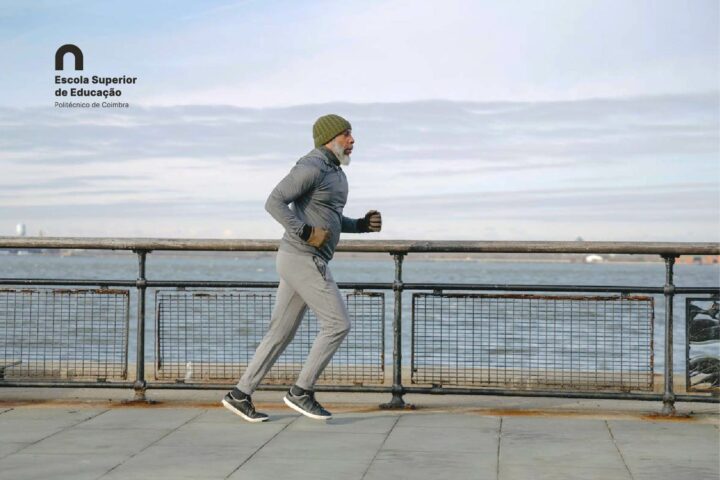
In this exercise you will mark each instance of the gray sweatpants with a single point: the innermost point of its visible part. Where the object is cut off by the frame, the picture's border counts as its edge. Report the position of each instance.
(305, 281)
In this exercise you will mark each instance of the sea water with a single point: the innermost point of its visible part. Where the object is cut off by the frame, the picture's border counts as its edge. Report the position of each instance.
(261, 267)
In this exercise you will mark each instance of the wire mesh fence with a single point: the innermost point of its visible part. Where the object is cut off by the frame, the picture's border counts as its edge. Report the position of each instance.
(212, 335)
(72, 334)
(533, 341)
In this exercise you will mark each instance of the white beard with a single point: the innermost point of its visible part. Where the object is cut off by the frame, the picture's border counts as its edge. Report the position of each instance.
(339, 152)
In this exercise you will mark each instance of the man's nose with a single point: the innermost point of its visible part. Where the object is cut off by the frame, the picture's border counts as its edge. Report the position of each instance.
(352, 139)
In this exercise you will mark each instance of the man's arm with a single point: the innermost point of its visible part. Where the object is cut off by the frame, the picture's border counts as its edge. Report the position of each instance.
(349, 225)
(371, 222)
(300, 180)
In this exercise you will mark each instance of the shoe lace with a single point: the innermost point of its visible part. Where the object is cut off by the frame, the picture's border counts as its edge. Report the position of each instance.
(248, 399)
(251, 407)
(315, 403)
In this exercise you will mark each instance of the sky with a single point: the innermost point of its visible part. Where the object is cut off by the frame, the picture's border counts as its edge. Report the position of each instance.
(474, 120)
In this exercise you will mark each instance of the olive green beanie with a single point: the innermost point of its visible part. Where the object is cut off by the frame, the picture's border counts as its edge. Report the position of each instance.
(328, 127)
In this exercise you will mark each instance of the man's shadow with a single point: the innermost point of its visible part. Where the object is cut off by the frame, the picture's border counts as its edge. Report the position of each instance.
(337, 419)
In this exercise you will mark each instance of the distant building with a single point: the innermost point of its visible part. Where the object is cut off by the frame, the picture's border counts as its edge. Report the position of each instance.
(698, 259)
(20, 229)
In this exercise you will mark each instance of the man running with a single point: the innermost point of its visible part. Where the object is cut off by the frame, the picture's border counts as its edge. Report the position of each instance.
(318, 189)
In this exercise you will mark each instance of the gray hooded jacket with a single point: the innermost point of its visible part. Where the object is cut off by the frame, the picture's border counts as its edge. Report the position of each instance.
(318, 190)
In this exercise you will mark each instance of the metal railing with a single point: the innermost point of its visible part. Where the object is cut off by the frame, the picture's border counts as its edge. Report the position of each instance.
(567, 342)
(497, 343)
(69, 333)
(205, 336)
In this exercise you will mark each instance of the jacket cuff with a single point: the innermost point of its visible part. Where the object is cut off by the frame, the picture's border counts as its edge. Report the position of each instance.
(363, 225)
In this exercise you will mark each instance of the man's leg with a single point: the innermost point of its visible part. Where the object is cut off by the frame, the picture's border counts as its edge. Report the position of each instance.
(312, 279)
(288, 311)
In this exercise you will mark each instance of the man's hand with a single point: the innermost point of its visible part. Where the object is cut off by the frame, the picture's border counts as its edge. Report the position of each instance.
(372, 222)
(318, 237)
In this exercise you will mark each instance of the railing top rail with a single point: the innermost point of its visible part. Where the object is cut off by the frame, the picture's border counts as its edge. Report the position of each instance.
(389, 246)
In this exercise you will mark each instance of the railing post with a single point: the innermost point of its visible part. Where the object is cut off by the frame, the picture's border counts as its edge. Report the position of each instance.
(140, 384)
(397, 401)
(669, 291)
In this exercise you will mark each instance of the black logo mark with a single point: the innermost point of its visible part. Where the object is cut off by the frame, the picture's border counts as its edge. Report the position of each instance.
(69, 48)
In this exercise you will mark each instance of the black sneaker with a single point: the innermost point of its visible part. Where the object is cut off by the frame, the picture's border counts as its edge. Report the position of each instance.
(241, 404)
(305, 403)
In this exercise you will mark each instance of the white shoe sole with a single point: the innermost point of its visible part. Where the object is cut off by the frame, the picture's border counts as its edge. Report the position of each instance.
(300, 410)
(237, 412)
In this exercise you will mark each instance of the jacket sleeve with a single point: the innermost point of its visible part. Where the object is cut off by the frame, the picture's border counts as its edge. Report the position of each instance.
(301, 180)
(349, 225)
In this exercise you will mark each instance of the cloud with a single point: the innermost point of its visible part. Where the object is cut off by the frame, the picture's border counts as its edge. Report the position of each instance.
(645, 204)
(650, 161)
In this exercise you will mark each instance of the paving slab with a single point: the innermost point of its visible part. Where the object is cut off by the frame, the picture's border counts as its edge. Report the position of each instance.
(33, 425)
(668, 449)
(124, 441)
(542, 452)
(6, 448)
(240, 433)
(403, 465)
(318, 445)
(333, 467)
(565, 442)
(448, 420)
(538, 427)
(69, 415)
(562, 472)
(422, 439)
(29, 431)
(141, 418)
(22, 466)
(171, 462)
(650, 470)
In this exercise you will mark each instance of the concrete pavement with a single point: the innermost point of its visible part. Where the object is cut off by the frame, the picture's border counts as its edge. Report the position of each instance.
(92, 441)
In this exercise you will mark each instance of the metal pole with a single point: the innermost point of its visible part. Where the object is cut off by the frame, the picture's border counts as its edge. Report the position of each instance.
(669, 290)
(397, 401)
(140, 384)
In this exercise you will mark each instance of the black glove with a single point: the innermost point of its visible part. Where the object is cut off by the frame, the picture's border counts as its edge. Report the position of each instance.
(371, 222)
